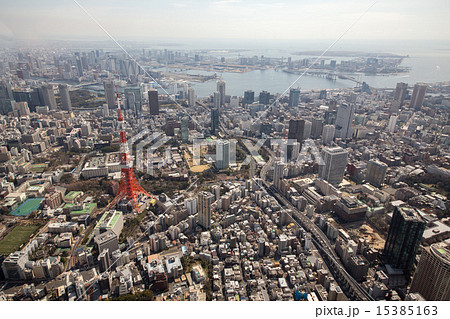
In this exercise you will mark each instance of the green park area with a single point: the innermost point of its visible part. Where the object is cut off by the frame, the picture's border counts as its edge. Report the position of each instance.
(18, 236)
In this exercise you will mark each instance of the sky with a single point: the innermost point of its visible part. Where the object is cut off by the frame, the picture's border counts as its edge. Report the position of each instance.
(225, 19)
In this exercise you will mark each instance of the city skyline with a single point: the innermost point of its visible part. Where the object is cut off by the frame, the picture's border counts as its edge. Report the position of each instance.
(134, 166)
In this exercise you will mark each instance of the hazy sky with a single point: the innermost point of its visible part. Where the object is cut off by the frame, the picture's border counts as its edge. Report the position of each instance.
(247, 19)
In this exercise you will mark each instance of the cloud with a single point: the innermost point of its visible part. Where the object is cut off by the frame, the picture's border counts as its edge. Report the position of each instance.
(179, 4)
(319, 19)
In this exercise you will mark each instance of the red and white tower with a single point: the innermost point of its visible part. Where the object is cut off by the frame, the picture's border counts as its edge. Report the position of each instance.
(129, 187)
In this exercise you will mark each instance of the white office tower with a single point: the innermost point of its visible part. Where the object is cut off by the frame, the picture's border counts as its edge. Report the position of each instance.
(222, 154)
(328, 134)
(308, 241)
(335, 163)
(234, 102)
(205, 199)
(376, 172)
(278, 173)
(109, 93)
(216, 100)
(344, 119)
(191, 97)
(216, 192)
(295, 150)
(392, 123)
(86, 129)
(307, 130)
(221, 90)
(191, 205)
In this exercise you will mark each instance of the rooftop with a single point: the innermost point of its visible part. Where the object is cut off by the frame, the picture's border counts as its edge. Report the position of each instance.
(72, 194)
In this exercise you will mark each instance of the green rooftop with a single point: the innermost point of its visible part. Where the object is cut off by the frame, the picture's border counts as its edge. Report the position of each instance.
(113, 220)
(88, 209)
(72, 194)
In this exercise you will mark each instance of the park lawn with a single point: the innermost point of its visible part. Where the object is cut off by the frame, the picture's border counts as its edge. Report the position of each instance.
(18, 236)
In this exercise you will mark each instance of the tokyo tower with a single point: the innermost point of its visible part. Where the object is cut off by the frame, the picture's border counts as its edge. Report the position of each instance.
(129, 187)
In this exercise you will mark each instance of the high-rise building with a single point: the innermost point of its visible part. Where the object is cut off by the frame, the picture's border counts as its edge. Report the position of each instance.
(66, 104)
(296, 128)
(153, 103)
(294, 97)
(432, 276)
(216, 100)
(104, 260)
(6, 91)
(278, 173)
(376, 172)
(403, 240)
(214, 120)
(191, 205)
(204, 201)
(221, 90)
(86, 129)
(307, 130)
(185, 129)
(31, 96)
(323, 94)
(293, 150)
(401, 91)
(344, 119)
(21, 109)
(328, 134)
(130, 102)
(222, 154)
(105, 110)
(234, 101)
(48, 96)
(110, 97)
(249, 97)
(79, 66)
(330, 116)
(191, 97)
(264, 97)
(392, 123)
(133, 96)
(335, 163)
(418, 96)
(6, 98)
(316, 129)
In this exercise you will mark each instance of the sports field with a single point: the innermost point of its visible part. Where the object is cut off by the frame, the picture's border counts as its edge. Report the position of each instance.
(27, 207)
(18, 236)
